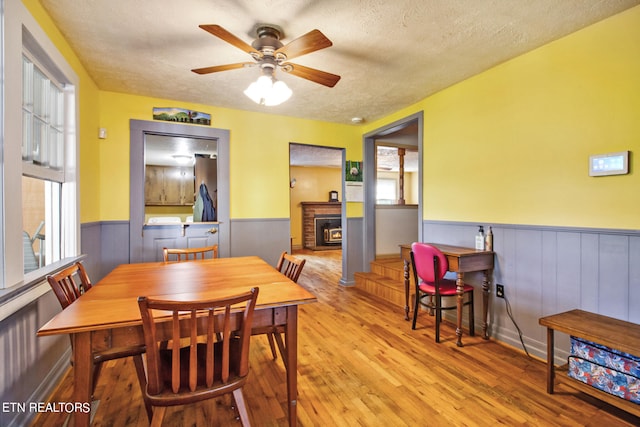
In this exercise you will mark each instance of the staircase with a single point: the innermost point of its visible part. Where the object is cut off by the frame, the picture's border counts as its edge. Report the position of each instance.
(386, 280)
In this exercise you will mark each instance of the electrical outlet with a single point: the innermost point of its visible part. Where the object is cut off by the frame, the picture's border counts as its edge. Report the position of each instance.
(500, 291)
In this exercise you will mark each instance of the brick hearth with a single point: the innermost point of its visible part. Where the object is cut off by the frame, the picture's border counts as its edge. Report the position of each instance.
(309, 211)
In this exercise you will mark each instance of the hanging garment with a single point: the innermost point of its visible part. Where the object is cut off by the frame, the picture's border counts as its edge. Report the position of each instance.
(208, 211)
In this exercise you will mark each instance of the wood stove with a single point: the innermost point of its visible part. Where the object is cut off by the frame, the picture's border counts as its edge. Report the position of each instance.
(328, 229)
(321, 210)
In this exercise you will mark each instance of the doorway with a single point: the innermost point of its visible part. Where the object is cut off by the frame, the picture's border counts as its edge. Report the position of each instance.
(316, 184)
(139, 130)
(396, 134)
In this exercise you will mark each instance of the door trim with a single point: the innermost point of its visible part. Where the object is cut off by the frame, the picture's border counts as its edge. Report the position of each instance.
(369, 177)
(137, 131)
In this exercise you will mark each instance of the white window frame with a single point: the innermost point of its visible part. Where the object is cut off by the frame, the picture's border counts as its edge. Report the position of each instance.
(22, 31)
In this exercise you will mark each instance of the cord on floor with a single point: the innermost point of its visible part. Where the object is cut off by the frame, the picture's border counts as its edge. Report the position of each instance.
(508, 306)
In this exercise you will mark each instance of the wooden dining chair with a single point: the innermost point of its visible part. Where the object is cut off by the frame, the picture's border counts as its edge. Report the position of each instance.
(208, 355)
(188, 254)
(68, 285)
(429, 268)
(291, 267)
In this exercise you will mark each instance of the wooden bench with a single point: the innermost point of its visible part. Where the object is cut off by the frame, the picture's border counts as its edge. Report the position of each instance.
(613, 333)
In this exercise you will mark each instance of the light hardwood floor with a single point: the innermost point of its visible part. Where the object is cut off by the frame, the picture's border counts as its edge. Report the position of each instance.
(360, 364)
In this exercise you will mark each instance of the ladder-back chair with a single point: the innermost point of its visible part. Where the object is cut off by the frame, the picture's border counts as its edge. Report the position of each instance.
(208, 355)
(291, 267)
(68, 285)
(189, 254)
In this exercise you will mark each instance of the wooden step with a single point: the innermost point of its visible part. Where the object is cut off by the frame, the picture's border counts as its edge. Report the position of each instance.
(383, 287)
(386, 281)
(392, 268)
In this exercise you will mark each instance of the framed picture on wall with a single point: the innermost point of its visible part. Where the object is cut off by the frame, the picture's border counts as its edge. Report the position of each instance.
(181, 115)
(353, 171)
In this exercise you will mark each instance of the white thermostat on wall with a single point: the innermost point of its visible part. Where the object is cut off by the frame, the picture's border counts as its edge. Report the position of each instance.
(609, 164)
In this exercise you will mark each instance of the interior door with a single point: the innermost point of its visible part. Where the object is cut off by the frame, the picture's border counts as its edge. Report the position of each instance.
(195, 235)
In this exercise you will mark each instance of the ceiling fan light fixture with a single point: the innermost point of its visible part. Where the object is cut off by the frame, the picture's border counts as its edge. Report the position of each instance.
(281, 91)
(268, 91)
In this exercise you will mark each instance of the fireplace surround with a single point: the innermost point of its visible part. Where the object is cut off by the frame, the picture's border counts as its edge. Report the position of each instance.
(322, 225)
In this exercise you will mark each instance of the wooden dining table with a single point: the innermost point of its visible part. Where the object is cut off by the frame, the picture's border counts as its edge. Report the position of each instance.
(107, 316)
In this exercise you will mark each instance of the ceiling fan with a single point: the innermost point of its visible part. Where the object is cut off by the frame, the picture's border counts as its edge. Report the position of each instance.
(269, 53)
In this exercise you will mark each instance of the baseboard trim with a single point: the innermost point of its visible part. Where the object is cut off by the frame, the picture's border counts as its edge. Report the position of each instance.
(44, 390)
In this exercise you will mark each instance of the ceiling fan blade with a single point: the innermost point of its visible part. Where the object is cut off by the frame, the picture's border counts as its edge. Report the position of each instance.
(217, 68)
(310, 42)
(316, 76)
(225, 35)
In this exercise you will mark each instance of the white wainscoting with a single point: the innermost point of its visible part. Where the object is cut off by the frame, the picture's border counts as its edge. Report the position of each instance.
(547, 270)
(395, 225)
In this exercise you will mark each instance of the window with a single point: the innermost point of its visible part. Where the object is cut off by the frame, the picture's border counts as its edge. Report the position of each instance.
(43, 164)
(386, 191)
(40, 214)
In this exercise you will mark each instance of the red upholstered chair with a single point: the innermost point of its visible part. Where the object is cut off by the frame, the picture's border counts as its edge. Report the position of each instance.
(429, 268)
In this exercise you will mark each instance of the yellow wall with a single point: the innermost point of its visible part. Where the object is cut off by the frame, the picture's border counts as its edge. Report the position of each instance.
(89, 181)
(259, 151)
(513, 143)
(313, 184)
(259, 146)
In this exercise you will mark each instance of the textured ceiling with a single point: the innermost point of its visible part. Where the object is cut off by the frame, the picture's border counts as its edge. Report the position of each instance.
(387, 158)
(389, 54)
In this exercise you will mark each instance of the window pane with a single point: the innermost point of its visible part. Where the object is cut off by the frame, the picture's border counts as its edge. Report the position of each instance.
(27, 87)
(40, 93)
(27, 109)
(40, 219)
(55, 140)
(57, 108)
(27, 138)
(55, 149)
(39, 142)
(386, 191)
(43, 119)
